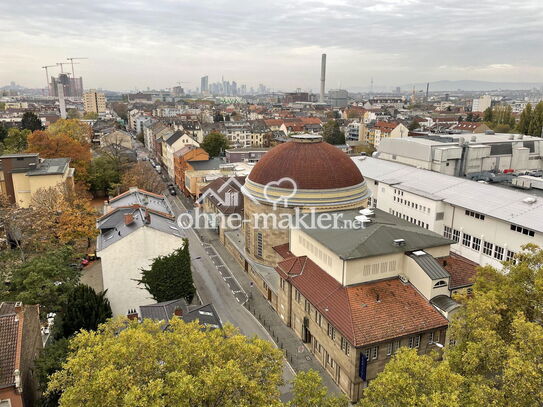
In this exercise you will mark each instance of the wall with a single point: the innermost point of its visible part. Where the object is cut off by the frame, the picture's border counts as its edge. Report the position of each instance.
(138, 249)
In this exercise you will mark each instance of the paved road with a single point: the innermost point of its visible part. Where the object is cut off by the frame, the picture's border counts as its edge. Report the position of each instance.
(216, 284)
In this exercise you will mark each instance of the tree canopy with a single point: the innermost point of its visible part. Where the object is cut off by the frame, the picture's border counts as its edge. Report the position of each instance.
(126, 363)
(143, 176)
(214, 143)
(332, 134)
(31, 122)
(83, 309)
(16, 141)
(104, 174)
(72, 128)
(309, 392)
(170, 277)
(497, 355)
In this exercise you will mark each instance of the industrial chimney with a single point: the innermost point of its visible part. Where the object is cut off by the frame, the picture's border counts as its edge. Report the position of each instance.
(323, 77)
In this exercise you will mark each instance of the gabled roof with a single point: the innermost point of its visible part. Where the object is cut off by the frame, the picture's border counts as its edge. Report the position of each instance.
(366, 313)
(462, 270)
(9, 327)
(164, 311)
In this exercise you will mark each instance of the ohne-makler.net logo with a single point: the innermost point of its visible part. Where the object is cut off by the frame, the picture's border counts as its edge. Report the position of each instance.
(228, 195)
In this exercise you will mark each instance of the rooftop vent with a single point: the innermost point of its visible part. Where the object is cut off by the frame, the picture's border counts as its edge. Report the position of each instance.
(367, 212)
(530, 200)
(403, 278)
(364, 220)
(399, 242)
(419, 253)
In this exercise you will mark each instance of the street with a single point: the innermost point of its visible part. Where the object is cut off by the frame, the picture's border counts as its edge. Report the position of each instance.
(216, 284)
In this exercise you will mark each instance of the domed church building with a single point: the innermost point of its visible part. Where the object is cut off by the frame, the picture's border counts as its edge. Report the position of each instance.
(304, 173)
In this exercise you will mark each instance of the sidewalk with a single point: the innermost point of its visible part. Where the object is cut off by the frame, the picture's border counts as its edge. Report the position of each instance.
(295, 351)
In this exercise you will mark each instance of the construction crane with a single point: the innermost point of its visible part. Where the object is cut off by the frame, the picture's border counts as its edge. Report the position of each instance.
(46, 67)
(61, 64)
(74, 63)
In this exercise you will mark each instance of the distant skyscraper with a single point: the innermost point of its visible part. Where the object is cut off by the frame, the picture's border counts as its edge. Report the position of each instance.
(204, 84)
(71, 86)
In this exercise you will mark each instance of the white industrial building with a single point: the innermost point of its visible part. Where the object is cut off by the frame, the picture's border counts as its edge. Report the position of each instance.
(489, 223)
(461, 154)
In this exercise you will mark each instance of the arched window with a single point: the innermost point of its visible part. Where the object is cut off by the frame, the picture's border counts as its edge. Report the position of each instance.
(440, 283)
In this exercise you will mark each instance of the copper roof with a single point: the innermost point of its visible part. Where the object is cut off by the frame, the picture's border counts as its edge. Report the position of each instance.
(311, 165)
(367, 313)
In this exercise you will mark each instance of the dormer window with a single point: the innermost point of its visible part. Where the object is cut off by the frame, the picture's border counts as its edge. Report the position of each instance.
(440, 283)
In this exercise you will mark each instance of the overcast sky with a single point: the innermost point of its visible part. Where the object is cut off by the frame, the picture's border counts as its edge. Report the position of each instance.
(156, 43)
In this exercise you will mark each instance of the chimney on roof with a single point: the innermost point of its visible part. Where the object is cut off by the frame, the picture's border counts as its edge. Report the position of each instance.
(147, 217)
(178, 312)
(18, 307)
(444, 263)
(128, 219)
(132, 314)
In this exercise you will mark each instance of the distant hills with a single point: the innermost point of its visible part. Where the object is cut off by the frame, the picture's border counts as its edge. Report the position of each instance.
(468, 85)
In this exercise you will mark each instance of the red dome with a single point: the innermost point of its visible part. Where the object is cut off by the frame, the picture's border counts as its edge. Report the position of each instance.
(312, 165)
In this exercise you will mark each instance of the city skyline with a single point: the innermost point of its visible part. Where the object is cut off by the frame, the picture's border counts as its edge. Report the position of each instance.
(395, 42)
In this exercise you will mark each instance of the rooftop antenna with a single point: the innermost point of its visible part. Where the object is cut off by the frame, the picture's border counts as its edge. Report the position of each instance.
(72, 63)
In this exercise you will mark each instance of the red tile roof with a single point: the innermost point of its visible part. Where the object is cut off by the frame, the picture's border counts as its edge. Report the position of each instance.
(366, 313)
(283, 250)
(462, 270)
(9, 329)
(386, 126)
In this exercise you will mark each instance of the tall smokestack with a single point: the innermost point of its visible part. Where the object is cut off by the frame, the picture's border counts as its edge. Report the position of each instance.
(323, 77)
(61, 101)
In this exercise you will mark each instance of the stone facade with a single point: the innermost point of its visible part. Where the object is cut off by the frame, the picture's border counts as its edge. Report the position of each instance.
(338, 357)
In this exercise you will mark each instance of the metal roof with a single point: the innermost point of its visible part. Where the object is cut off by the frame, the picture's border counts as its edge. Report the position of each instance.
(500, 203)
(429, 264)
(50, 166)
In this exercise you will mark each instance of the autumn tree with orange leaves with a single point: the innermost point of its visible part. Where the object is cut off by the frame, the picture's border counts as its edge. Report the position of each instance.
(61, 145)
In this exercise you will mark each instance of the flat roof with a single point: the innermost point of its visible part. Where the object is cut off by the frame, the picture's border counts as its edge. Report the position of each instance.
(501, 203)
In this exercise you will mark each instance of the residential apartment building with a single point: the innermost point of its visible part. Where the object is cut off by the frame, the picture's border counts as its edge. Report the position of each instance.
(481, 104)
(170, 145)
(137, 227)
(381, 130)
(22, 175)
(94, 102)
(182, 160)
(462, 154)
(487, 223)
(247, 155)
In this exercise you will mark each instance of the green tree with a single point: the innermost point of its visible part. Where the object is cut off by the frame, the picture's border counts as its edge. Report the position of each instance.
(332, 134)
(83, 309)
(309, 392)
(413, 125)
(410, 379)
(50, 361)
(525, 118)
(103, 174)
(90, 116)
(488, 115)
(3, 132)
(72, 114)
(16, 141)
(126, 363)
(31, 122)
(494, 328)
(170, 277)
(214, 143)
(536, 122)
(45, 279)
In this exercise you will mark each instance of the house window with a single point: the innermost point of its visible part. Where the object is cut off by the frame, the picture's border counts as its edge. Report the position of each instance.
(259, 244)
(456, 235)
(447, 232)
(414, 341)
(345, 347)
(374, 352)
(431, 338)
(297, 296)
(440, 283)
(436, 337)
(498, 252)
(318, 318)
(396, 346)
(487, 248)
(389, 348)
(331, 331)
(522, 230)
(466, 240)
(510, 255)
(475, 215)
(282, 284)
(366, 353)
(307, 306)
(476, 244)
